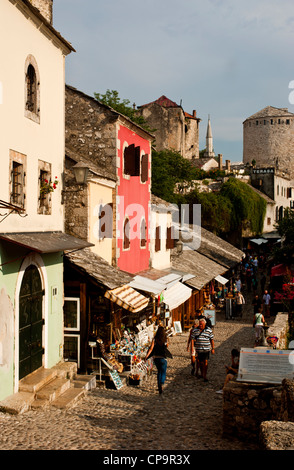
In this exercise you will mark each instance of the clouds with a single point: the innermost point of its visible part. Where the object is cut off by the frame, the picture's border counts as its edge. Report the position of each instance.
(226, 58)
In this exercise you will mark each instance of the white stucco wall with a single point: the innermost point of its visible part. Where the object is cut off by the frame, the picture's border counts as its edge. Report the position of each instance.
(20, 38)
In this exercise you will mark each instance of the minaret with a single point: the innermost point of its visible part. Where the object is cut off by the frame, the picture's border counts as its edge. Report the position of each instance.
(209, 141)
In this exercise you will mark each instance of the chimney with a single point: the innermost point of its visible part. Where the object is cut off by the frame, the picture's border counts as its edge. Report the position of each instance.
(45, 7)
(220, 161)
(194, 113)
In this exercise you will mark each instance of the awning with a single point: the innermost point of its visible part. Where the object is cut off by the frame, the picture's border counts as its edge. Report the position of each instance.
(281, 270)
(176, 295)
(45, 242)
(127, 298)
(222, 280)
(258, 241)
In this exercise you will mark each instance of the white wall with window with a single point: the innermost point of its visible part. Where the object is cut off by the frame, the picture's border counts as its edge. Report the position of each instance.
(31, 117)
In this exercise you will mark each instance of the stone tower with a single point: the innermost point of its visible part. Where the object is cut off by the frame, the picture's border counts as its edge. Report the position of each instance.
(268, 138)
(45, 7)
(209, 141)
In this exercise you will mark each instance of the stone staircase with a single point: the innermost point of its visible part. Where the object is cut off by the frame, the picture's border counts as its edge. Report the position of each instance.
(60, 387)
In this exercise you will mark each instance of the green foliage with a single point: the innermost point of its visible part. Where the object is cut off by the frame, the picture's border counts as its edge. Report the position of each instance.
(111, 98)
(234, 207)
(285, 227)
(249, 207)
(216, 210)
(169, 168)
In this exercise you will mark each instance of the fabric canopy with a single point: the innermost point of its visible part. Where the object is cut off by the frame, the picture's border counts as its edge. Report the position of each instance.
(127, 298)
(280, 270)
(221, 279)
(176, 295)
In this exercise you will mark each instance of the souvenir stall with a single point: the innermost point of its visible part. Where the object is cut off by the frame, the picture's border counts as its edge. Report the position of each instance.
(131, 330)
(130, 349)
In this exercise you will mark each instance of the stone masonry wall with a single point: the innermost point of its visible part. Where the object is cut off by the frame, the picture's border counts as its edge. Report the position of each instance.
(268, 143)
(90, 131)
(45, 7)
(247, 405)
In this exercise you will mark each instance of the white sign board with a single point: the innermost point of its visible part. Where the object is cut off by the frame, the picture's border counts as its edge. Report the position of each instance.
(263, 365)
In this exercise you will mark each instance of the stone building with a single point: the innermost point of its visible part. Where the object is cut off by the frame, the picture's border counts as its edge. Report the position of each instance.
(174, 129)
(268, 138)
(121, 153)
(277, 186)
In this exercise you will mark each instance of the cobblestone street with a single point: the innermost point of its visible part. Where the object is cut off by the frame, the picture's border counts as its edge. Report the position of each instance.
(187, 416)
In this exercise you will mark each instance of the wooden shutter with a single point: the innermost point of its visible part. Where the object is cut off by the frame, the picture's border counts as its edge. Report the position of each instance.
(157, 239)
(144, 168)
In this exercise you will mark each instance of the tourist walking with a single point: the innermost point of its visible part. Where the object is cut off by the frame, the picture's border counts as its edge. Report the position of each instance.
(240, 301)
(204, 343)
(266, 303)
(158, 350)
(191, 348)
(256, 303)
(258, 323)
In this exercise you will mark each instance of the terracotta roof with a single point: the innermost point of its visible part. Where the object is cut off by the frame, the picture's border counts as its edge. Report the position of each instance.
(163, 101)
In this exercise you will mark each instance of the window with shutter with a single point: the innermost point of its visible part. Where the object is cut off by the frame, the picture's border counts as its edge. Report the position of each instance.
(157, 239)
(132, 160)
(169, 238)
(144, 168)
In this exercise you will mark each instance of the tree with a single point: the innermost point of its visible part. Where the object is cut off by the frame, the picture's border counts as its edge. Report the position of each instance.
(285, 227)
(170, 172)
(111, 98)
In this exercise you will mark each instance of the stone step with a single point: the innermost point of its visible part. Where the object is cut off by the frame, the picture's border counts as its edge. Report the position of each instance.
(84, 381)
(53, 389)
(69, 398)
(17, 403)
(48, 387)
(36, 380)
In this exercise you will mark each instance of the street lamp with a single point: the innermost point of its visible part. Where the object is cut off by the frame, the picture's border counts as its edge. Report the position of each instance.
(81, 172)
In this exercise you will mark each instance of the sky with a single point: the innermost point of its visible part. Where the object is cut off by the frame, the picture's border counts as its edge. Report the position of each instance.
(226, 59)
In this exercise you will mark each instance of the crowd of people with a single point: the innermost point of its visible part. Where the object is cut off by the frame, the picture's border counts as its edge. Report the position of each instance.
(200, 342)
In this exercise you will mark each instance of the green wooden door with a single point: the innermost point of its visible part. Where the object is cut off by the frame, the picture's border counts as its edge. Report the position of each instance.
(30, 322)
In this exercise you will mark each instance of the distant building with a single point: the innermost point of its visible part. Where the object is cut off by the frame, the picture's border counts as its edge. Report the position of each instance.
(268, 139)
(209, 152)
(174, 129)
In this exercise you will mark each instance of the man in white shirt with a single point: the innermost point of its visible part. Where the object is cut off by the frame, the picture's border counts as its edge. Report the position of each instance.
(266, 303)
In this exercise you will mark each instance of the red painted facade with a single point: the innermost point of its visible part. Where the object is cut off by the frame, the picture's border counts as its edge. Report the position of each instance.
(133, 197)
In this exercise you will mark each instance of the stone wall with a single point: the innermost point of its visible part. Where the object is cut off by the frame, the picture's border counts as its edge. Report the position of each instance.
(90, 131)
(45, 7)
(172, 130)
(247, 405)
(269, 144)
(280, 328)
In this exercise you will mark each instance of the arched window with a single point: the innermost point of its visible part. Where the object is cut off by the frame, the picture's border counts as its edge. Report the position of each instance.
(31, 81)
(126, 244)
(32, 89)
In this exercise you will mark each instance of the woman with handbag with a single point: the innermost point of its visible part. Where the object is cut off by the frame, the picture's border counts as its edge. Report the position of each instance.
(158, 350)
(258, 323)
